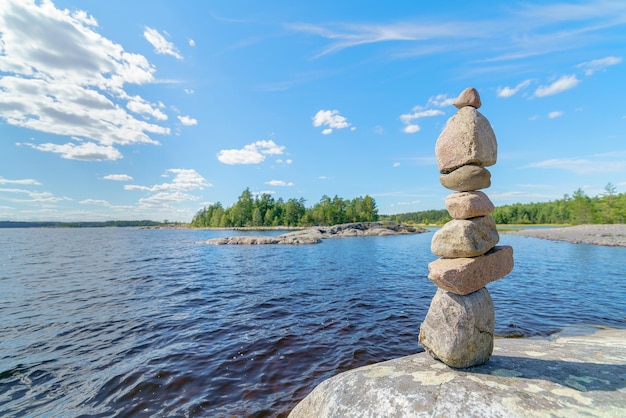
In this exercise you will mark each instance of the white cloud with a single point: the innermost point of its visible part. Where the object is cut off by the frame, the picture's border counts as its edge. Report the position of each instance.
(66, 79)
(419, 112)
(118, 177)
(396, 164)
(143, 107)
(510, 91)
(189, 91)
(564, 83)
(601, 64)
(555, 114)
(161, 45)
(287, 161)
(184, 180)
(279, 183)
(250, 154)
(24, 182)
(87, 151)
(187, 121)
(192, 43)
(331, 119)
(165, 199)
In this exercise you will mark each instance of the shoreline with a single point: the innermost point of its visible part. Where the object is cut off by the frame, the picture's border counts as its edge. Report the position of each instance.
(611, 235)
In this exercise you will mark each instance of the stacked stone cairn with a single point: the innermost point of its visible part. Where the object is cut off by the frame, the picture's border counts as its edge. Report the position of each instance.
(458, 328)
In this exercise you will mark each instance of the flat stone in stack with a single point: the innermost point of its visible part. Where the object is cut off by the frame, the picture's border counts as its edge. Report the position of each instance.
(465, 178)
(465, 205)
(465, 237)
(469, 274)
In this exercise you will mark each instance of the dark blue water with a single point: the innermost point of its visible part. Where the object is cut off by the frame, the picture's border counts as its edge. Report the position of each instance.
(135, 322)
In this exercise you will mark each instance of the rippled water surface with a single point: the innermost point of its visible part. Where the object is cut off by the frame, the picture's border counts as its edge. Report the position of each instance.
(121, 322)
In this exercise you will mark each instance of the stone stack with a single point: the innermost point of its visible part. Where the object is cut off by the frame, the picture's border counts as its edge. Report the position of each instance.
(459, 326)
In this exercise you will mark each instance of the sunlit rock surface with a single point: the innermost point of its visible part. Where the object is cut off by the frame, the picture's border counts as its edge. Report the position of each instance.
(560, 376)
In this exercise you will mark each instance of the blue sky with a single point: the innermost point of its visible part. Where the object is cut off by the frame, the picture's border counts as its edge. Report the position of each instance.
(154, 109)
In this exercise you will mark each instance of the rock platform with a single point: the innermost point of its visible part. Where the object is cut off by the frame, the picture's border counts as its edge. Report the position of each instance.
(316, 234)
(563, 375)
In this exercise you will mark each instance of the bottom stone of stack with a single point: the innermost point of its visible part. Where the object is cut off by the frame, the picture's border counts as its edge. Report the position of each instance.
(458, 330)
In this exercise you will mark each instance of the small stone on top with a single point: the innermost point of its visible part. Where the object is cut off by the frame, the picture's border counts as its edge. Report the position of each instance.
(468, 97)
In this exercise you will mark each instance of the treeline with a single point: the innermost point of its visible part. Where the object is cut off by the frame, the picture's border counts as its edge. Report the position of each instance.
(264, 210)
(14, 224)
(609, 207)
(426, 217)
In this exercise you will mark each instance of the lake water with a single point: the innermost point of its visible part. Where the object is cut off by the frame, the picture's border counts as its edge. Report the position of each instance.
(138, 322)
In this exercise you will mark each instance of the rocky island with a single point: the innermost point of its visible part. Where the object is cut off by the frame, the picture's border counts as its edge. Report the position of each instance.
(315, 234)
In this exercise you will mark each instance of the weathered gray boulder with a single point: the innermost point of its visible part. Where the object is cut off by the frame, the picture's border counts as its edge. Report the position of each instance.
(468, 97)
(467, 139)
(464, 205)
(561, 376)
(465, 237)
(466, 178)
(458, 330)
(467, 275)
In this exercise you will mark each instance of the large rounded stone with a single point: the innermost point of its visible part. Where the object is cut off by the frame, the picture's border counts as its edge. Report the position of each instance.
(466, 179)
(465, 205)
(465, 237)
(467, 139)
(458, 330)
(468, 274)
(468, 97)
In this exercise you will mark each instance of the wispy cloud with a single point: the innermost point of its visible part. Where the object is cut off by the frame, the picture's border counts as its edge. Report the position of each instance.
(118, 177)
(161, 45)
(331, 119)
(555, 114)
(348, 35)
(582, 166)
(87, 151)
(510, 91)
(525, 30)
(601, 64)
(279, 183)
(33, 196)
(564, 83)
(24, 182)
(250, 154)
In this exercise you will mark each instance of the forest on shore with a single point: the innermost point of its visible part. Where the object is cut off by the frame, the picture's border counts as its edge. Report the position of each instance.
(265, 211)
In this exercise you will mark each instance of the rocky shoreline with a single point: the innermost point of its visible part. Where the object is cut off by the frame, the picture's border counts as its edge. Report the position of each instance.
(613, 235)
(316, 234)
